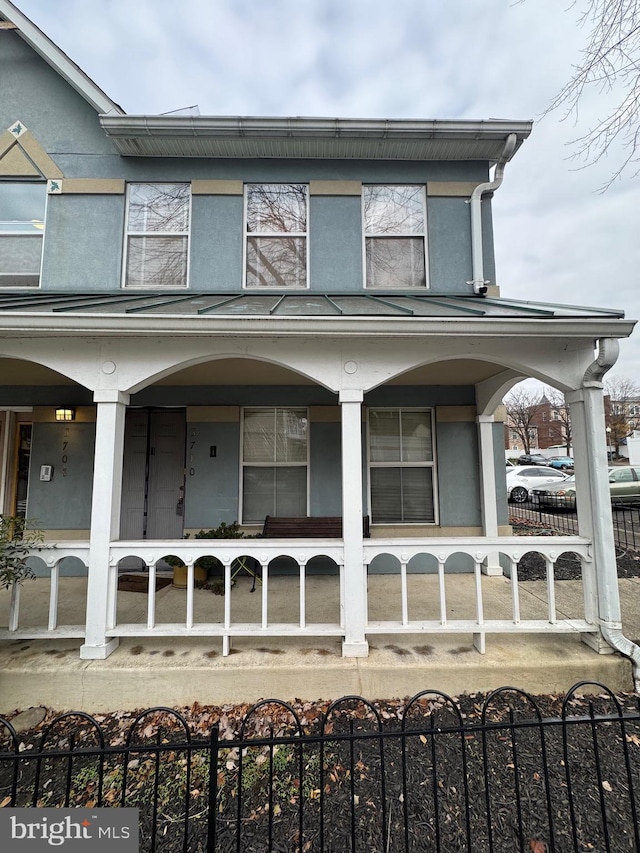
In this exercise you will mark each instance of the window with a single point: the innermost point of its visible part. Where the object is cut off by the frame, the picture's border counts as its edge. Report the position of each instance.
(401, 466)
(157, 244)
(22, 207)
(276, 244)
(274, 463)
(394, 230)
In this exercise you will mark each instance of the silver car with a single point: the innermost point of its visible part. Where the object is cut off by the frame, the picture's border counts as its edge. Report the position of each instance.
(624, 488)
(522, 479)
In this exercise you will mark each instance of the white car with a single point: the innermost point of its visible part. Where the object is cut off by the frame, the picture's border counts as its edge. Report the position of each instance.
(523, 478)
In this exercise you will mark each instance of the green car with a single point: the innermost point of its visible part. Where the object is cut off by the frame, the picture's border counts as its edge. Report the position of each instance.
(624, 488)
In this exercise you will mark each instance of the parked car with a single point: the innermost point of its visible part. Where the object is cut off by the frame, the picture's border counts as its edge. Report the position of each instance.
(624, 488)
(532, 459)
(561, 462)
(523, 478)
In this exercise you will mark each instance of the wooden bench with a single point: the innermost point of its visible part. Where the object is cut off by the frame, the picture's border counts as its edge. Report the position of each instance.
(310, 527)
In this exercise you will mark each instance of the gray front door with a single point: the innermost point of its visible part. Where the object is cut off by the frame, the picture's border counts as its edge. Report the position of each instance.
(153, 476)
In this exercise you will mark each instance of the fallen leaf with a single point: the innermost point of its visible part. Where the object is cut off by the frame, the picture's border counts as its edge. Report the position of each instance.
(537, 846)
(607, 786)
(5, 802)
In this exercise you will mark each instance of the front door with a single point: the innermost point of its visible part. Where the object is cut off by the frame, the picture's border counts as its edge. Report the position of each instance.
(153, 476)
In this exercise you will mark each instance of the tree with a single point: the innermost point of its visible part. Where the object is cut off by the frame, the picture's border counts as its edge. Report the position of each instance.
(523, 406)
(562, 416)
(610, 63)
(623, 415)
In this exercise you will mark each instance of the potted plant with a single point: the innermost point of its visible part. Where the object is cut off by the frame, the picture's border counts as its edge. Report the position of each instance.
(207, 565)
(17, 538)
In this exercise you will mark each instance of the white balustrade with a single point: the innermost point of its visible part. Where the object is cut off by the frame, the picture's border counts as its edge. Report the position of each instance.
(185, 612)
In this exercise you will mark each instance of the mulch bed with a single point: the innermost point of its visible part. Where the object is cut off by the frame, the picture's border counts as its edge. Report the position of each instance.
(532, 566)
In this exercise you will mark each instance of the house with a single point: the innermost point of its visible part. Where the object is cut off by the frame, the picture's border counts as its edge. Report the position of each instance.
(547, 424)
(207, 319)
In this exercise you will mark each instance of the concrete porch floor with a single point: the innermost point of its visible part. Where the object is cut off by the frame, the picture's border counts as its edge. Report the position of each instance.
(177, 671)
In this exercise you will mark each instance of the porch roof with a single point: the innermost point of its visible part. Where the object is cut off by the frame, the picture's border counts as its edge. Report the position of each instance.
(188, 314)
(379, 304)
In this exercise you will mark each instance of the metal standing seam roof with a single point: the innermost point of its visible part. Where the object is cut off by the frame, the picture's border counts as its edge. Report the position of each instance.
(279, 304)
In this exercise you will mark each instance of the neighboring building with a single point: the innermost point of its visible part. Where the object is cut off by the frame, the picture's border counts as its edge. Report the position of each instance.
(547, 428)
(209, 319)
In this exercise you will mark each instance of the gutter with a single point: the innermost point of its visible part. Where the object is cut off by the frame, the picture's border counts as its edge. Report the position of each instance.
(478, 281)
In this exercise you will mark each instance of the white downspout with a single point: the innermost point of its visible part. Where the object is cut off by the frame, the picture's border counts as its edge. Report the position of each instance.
(477, 256)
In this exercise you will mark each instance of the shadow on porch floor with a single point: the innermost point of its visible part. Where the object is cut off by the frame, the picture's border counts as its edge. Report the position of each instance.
(177, 671)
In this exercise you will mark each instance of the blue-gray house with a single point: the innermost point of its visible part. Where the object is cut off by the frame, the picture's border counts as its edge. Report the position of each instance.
(207, 320)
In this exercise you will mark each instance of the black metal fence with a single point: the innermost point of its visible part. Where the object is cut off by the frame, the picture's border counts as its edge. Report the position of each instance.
(626, 520)
(434, 774)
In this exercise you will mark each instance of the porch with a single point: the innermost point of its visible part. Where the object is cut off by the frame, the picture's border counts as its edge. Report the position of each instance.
(178, 646)
(215, 647)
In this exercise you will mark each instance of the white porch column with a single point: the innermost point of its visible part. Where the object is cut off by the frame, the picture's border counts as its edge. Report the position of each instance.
(355, 579)
(105, 520)
(593, 501)
(489, 498)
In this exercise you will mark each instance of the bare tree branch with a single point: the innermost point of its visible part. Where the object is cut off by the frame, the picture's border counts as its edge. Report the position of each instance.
(610, 63)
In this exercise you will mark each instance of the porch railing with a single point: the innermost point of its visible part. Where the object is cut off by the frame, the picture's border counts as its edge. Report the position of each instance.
(444, 601)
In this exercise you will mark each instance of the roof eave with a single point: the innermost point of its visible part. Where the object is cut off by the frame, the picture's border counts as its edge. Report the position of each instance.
(142, 134)
(41, 325)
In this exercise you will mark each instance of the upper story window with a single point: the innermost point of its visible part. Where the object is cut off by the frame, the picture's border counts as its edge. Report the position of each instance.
(276, 236)
(22, 207)
(157, 238)
(401, 466)
(395, 229)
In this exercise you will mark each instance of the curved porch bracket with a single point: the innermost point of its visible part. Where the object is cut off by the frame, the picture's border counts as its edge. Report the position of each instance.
(489, 392)
(608, 351)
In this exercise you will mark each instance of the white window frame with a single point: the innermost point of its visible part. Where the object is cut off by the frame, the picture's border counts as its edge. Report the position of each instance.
(273, 236)
(149, 234)
(274, 464)
(28, 233)
(423, 236)
(432, 464)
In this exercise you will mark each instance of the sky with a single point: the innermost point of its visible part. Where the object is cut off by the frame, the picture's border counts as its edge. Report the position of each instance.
(558, 237)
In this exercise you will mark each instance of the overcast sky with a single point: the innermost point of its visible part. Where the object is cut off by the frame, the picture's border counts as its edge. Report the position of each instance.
(558, 238)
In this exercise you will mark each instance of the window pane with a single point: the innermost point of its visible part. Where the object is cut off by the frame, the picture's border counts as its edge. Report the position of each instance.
(258, 493)
(20, 254)
(159, 261)
(291, 492)
(276, 208)
(22, 206)
(385, 495)
(291, 435)
(401, 495)
(416, 437)
(259, 435)
(417, 495)
(276, 262)
(273, 491)
(384, 436)
(159, 207)
(394, 210)
(395, 262)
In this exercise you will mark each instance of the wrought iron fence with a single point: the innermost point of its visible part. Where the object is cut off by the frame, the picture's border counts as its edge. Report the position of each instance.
(435, 773)
(562, 519)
